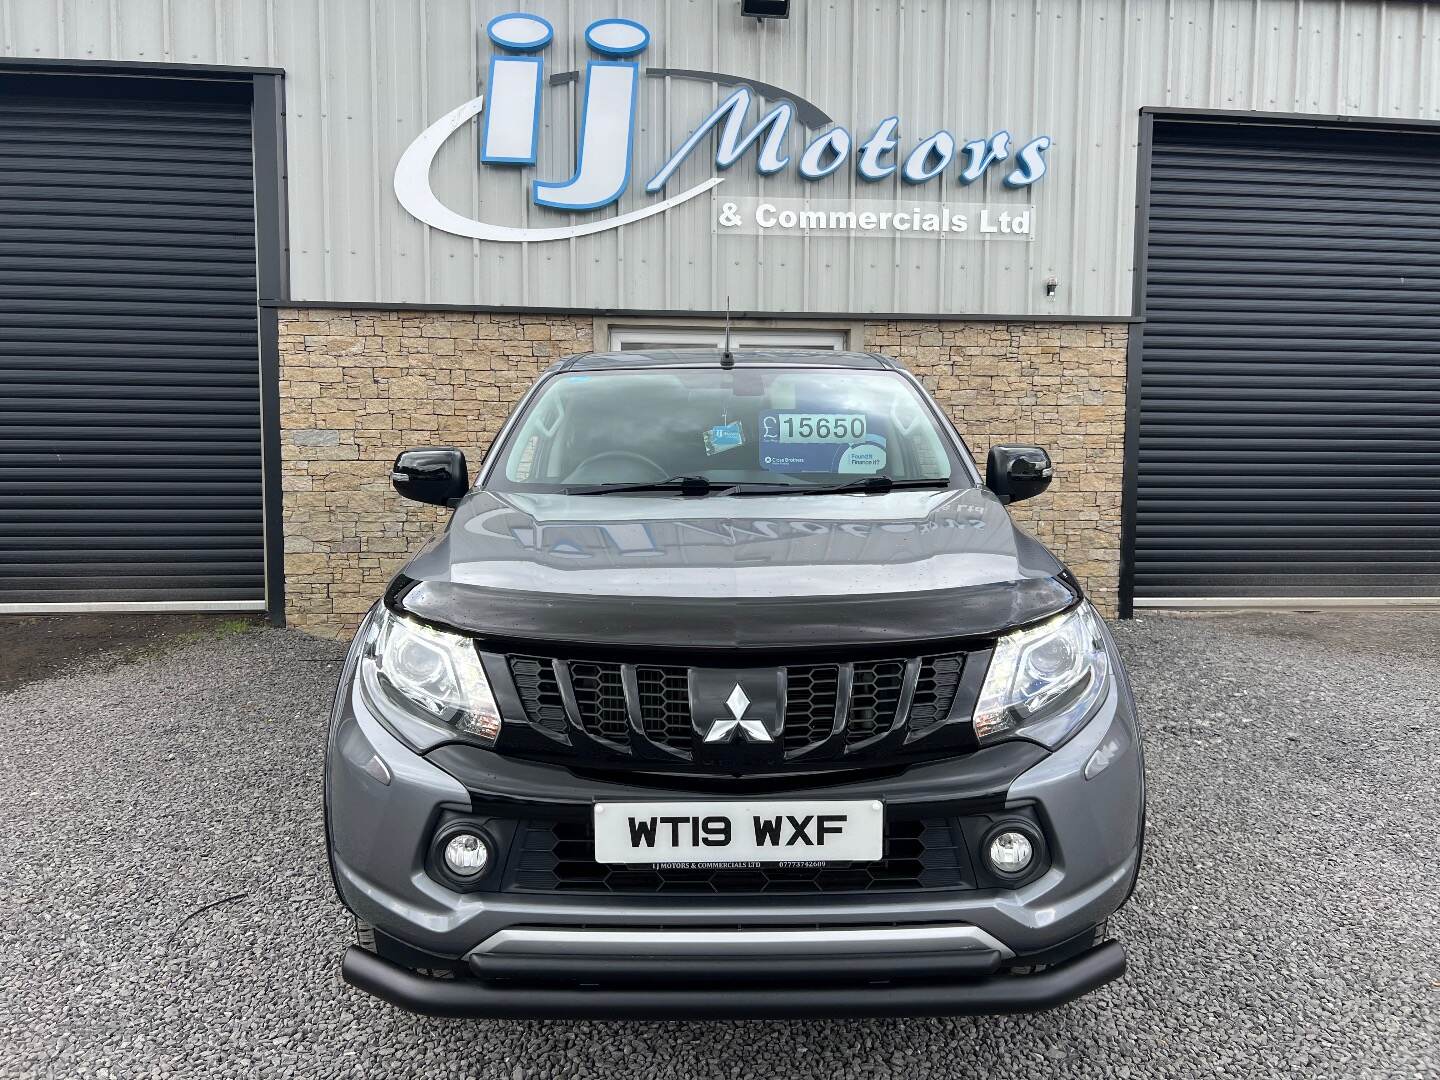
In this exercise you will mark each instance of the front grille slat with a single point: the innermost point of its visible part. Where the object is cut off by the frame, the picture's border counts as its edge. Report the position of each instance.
(811, 697)
(935, 691)
(874, 698)
(600, 696)
(919, 854)
(665, 706)
(539, 692)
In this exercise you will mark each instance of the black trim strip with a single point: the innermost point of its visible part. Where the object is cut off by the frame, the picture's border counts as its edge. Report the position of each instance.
(272, 257)
(1287, 119)
(1133, 354)
(271, 491)
(145, 68)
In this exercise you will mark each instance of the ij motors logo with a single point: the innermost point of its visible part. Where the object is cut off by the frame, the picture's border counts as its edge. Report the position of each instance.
(510, 112)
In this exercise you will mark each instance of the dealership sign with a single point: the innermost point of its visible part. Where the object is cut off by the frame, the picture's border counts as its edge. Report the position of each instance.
(604, 167)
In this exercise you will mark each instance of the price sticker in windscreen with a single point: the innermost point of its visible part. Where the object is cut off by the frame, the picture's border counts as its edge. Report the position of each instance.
(825, 442)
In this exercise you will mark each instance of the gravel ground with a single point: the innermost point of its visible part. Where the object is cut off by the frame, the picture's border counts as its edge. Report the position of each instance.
(1287, 921)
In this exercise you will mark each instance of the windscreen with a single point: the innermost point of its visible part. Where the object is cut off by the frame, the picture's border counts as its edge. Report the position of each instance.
(770, 426)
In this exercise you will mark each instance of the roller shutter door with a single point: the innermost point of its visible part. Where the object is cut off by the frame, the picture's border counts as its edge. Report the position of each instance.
(1289, 403)
(129, 379)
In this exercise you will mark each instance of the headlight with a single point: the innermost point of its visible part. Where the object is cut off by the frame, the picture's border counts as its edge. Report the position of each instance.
(1043, 682)
(438, 673)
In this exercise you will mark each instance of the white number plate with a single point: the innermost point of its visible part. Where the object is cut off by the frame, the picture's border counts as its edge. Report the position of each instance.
(707, 833)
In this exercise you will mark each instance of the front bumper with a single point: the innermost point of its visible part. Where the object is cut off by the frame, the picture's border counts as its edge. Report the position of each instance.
(379, 833)
(1001, 993)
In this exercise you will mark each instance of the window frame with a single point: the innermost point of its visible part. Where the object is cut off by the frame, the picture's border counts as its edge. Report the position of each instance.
(623, 337)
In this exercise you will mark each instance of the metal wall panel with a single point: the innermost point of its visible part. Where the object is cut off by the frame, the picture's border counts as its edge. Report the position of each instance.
(364, 77)
(1289, 391)
(130, 452)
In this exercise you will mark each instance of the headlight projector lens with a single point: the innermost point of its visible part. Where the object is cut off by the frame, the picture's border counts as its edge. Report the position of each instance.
(466, 854)
(1010, 852)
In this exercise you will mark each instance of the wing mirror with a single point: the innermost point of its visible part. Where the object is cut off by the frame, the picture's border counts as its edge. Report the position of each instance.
(1018, 472)
(435, 475)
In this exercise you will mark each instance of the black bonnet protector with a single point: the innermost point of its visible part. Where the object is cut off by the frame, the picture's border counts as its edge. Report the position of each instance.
(734, 573)
(976, 611)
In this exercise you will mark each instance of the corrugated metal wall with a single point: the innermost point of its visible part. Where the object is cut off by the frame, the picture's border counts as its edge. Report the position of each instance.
(364, 77)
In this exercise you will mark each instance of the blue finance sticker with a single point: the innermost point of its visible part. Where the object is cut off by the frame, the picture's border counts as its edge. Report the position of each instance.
(820, 442)
(724, 437)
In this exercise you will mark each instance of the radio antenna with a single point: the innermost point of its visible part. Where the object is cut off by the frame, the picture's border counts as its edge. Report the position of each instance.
(727, 358)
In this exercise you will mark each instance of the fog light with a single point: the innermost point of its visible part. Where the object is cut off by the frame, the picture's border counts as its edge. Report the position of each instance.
(1010, 852)
(466, 854)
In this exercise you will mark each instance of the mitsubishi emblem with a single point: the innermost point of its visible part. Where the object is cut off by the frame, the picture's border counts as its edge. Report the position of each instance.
(723, 730)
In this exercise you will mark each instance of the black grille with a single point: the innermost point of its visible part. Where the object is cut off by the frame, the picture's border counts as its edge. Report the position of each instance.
(539, 692)
(600, 697)
(935, 691)
(920, 853)
(665, 706)
(874, 697)
(810, 699)
(642, 712)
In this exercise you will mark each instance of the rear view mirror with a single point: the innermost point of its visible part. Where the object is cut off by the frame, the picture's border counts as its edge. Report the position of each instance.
(436, 475)
(1017, 472)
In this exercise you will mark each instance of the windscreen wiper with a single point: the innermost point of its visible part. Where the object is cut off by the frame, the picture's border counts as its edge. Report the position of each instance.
(701, 485)
(686, 485)
(877, 485)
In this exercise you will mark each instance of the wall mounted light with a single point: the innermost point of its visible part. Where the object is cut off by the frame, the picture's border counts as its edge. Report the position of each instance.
(1050, 286)
(765, 9)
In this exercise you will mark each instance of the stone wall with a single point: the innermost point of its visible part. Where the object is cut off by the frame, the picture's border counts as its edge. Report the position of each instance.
(1061, 387)
(356, 387)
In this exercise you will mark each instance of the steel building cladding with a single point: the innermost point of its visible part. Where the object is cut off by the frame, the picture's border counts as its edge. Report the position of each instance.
(254, 248)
